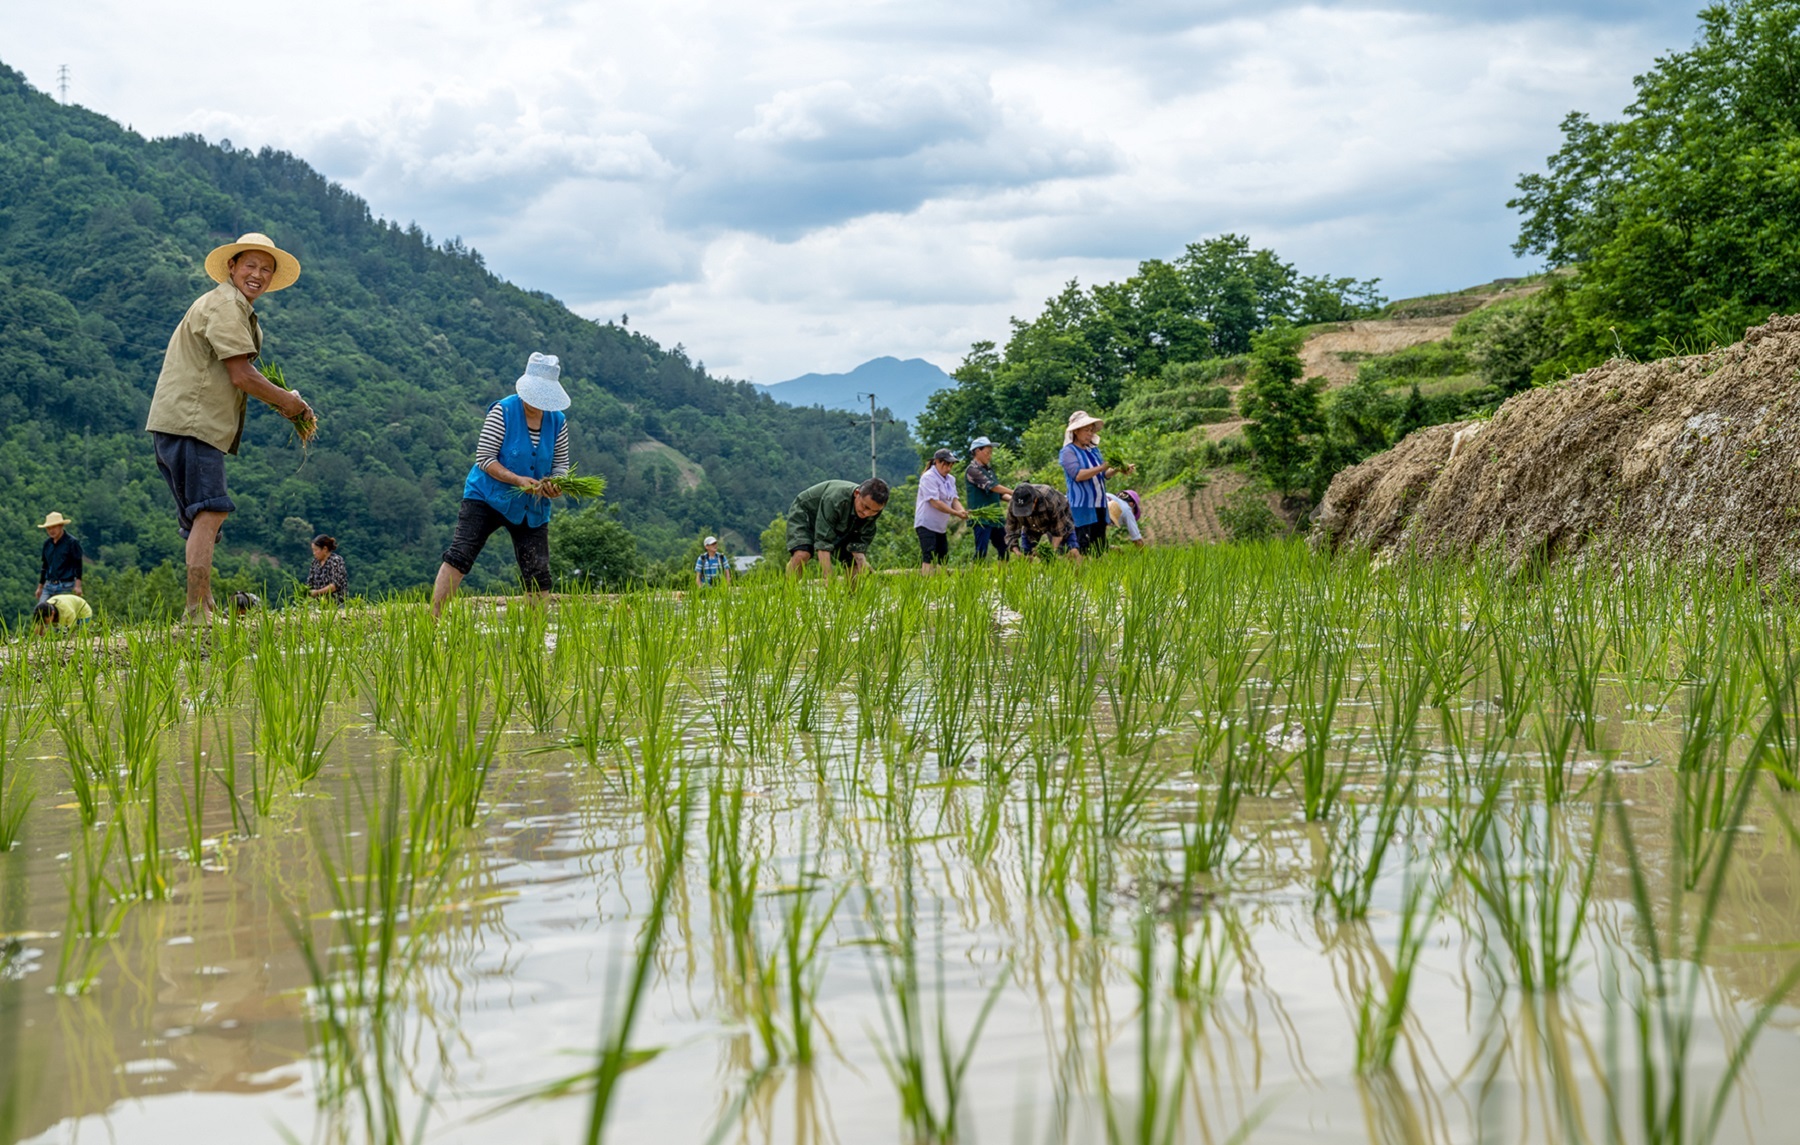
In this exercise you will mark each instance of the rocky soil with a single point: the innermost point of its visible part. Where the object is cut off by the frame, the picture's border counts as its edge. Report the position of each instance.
(1695, 457)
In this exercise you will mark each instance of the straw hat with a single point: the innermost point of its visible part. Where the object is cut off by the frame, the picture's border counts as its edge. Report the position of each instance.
(1078, 419)
(55, 519)
(287, 267)
(539, 386)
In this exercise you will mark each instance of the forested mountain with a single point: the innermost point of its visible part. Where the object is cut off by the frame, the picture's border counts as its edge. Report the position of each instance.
(398, 342)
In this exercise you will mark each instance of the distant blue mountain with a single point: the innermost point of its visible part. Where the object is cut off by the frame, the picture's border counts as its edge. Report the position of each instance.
(901, 387)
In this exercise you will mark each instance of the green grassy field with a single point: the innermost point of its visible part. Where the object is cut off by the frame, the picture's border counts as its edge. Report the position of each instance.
(1186, 844)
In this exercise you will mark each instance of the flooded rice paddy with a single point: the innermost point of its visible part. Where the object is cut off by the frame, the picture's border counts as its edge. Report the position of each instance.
(1209, 845)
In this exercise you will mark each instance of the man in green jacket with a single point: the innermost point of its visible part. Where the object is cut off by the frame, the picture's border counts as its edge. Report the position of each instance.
(197, 413)
(834, 520)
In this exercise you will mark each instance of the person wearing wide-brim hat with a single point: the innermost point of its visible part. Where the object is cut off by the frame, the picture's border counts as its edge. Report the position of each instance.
(197, 413)
(60, 570)
(524, 441)
(1086, 471)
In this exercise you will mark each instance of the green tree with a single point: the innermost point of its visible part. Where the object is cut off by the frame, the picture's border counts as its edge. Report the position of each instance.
(590, 548)
(1683, 218)
(1283, 411)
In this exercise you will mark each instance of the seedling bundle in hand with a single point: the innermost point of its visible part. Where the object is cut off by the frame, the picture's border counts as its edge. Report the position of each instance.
(989, 515)
(571, 484)
(306, 426)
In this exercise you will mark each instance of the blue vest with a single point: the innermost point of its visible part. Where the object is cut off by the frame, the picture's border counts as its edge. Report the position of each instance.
(519, 456)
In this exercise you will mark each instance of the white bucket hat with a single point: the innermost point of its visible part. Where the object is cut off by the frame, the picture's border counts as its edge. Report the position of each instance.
(539, 386)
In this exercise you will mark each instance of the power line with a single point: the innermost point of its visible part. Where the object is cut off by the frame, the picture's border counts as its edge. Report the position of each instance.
(62, 81)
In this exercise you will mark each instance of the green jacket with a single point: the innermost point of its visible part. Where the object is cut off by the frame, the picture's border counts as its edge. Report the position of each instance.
(823, 518)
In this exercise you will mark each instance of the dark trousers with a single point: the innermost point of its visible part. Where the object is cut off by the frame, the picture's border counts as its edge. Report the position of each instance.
(1092, 538)
(476, 522)
(984, 534)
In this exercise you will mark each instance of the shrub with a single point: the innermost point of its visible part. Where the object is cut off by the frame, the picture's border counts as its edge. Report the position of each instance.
(1247, 517)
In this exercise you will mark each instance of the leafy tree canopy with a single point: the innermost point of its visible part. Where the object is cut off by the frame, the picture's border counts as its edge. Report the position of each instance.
(1092, 348)
(1683, 218)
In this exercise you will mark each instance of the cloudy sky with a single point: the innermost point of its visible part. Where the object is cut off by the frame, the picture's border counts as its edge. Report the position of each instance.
(795, 185)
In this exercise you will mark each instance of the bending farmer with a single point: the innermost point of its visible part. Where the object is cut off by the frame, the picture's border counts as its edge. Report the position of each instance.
(1040, 513)
(524, 440)
(834, 520)
(197, 413)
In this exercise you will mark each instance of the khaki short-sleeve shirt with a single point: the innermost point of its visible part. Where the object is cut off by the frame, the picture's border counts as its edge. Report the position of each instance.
(194, 395)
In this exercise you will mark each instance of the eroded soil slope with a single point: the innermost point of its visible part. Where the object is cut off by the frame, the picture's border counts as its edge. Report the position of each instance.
(1691, 457)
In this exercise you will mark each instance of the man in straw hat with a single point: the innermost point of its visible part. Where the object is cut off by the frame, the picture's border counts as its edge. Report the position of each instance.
(524, 440)
(60, 571)
(197, 413)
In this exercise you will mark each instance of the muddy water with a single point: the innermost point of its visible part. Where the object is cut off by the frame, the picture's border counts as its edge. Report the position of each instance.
(196, 1025)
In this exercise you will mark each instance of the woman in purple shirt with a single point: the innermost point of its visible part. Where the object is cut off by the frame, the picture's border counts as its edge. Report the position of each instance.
(934, 507)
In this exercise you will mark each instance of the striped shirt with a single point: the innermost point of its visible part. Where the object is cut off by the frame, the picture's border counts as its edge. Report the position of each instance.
(493, 435)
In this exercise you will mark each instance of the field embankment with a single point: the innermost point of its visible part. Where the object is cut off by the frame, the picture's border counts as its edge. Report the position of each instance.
(1687, 457)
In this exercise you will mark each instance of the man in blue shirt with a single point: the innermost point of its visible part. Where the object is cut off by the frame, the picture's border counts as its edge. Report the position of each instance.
(60, 571)
(710, 567)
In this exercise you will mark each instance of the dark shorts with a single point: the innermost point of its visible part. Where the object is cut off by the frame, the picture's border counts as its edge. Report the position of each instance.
(195, 472)
(932, 544)
(476, 522)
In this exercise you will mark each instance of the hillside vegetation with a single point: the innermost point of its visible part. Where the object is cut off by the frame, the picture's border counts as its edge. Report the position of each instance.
(400, 342)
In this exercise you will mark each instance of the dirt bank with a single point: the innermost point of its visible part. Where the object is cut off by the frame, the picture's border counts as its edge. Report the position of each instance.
(1690, 457)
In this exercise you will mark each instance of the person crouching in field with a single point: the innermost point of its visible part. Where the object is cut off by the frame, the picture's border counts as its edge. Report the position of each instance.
(197, 412)
(1124, 510)
(834, 520)
(934, 508)
(524, 440)
(65, 610)
(1040, 513)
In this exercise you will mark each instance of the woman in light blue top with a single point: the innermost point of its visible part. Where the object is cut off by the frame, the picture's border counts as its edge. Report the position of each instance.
(1087, 472)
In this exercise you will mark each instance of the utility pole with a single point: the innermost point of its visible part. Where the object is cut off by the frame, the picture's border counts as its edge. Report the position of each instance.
(62, 81)
(872, 423)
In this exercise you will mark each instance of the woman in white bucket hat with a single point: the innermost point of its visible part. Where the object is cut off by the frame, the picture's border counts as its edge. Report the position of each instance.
(524, 440)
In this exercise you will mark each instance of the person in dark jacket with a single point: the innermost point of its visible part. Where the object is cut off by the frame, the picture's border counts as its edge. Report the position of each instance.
(1040, 513)
(834, 520)
(60, 570)
(327, 578)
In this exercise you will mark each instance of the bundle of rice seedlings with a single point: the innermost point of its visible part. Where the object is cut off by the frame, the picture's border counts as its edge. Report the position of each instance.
(990, 515)
(306, 426)
(571, 484)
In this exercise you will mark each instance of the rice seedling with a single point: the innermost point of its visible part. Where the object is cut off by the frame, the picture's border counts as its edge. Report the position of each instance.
(16, 793)
(1656, 1002)
(928, 1072)
(1382, 1014)
(573, 484)
(988, 515)
(1539, 913)
(379, 921)
(306, 426)
(291, 679)
(625, 1000)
